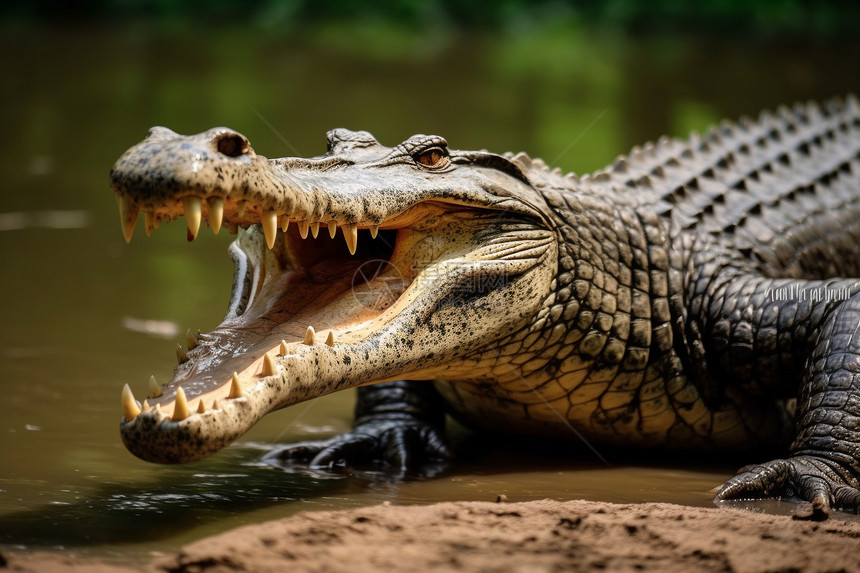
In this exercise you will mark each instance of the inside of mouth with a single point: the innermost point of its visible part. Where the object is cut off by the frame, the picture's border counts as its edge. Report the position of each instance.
(310, 282)
(325, 258)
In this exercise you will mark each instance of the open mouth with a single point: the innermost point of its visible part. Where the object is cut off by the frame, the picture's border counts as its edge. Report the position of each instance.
(314, 288)
(329, 292)
(300, 284)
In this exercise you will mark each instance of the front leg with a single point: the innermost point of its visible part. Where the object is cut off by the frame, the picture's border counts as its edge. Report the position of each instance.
(400, 424)
(824, 462)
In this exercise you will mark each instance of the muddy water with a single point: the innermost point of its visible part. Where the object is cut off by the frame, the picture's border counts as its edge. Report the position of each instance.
(82, 313)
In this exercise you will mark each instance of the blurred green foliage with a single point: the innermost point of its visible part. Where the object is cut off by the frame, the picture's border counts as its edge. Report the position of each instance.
(783, 17)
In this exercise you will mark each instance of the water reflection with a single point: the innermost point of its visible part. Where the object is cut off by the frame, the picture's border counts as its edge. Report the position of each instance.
(76, 219)
(159, 511)
(174, 502)
(152, 327)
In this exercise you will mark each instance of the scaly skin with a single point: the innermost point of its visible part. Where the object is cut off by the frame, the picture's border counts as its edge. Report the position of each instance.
(684, 297)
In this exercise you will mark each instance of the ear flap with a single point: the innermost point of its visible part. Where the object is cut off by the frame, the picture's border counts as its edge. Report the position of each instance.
(490, 160)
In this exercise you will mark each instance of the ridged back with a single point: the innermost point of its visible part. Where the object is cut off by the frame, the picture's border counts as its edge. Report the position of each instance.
(785, 189)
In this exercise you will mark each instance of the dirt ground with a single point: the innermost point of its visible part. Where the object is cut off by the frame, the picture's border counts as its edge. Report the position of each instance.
(532, 537)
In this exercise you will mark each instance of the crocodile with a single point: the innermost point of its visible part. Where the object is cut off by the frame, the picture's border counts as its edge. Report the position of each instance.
(696, 294)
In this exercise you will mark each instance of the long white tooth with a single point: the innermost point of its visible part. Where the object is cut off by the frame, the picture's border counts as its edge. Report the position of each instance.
(235, 388)
(310, 336)
(127, 216)
(215, 213)
(181, 354)
(269, 368)
(180, 408)
(153, 389)
(374, 230)
(191, 340)
(240, 209)
(193, 214)
(130, 409)
(149, 222)
(269, 222)
(350, 233)
(303, 229)
(315, 229)
(201, 407)
(283, 349)
(285, 223)
(332, 229)
(329, 340)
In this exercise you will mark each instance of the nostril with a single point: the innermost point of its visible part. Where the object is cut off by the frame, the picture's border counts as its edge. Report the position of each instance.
(232, 145)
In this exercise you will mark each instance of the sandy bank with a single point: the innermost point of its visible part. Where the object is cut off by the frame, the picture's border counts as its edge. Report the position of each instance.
(511, 537)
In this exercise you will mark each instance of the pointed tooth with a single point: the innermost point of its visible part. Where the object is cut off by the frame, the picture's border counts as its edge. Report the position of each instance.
(310, 336)
(241, 206)
(193, 214)
(216, 404)
(153, 389)
(329, 340)
(283, 349)
(269, 368)
(191, 340)
(315, 229)
(180, 408)
(181, 354)
(285, 223)
(145, 407)
(303, 229)
(127, 216)
(215, 213)
(201, 407)
(332, 229)
(149, 222)
(374, 230)
(235, 388)
(130, 409)
(350, 233)
(158, 409)
(269, 222)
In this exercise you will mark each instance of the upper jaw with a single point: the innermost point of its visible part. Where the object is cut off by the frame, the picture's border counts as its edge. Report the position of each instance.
(217, 176)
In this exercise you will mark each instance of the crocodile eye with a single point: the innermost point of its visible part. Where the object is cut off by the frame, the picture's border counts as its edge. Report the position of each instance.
(433, 157)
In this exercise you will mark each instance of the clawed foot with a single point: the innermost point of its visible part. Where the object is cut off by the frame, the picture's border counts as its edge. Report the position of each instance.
(404, 447)
(824, 483)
